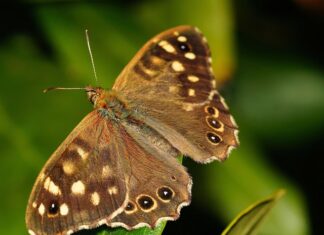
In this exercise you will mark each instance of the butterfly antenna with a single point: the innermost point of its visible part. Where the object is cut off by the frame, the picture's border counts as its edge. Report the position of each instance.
(91, 56)
(64, 88)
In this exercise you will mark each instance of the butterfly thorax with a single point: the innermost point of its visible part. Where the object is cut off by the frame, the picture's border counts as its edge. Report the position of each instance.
(108, 103)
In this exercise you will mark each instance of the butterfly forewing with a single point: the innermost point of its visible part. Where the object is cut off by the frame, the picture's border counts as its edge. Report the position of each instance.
(82, 184)
(171, 83)
(175, 62)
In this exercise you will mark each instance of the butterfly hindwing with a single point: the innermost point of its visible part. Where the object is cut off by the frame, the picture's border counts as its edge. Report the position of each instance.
(206, 132)
(159, 185)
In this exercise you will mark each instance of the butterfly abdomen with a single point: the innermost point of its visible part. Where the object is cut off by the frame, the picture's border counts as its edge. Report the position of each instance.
(149, 139)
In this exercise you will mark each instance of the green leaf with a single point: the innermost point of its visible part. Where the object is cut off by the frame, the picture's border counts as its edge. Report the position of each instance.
(121, 231)
(249, 220)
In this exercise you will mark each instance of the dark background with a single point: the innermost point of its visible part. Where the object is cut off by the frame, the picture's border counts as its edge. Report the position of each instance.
(268, 59)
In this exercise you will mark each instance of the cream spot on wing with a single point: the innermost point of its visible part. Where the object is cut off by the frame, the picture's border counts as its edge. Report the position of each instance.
(149, 72)
(190, 56)
(224, 103)
(84, 155)
(69, 232)
(95, 199)
(213, 82)
(193, 78)
(51, 186)
(105, 171)
(233, 121)
(64, 209)
(157, 60)
(216, 113)
(42, 177)
(177, 66)
(211, 94)
(187, 107)
(236, 136)
(101, 222)
(47, 183)
(204, 39)
(176, 33)
(229, 150)
(173, 89)
(112, 190)
(83, 227)
(34, 204)
(191, 92)
(54, 189)
(210, 60)
(182, 39)
(78, 187)
(68, 167)
(197, 30)
(167, 46)
(41, 209)
(31, 232)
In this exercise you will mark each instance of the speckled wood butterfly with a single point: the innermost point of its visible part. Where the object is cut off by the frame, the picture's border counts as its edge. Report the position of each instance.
(119, 166)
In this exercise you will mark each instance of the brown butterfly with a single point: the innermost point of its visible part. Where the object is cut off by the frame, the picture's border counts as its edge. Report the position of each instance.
(119, 166)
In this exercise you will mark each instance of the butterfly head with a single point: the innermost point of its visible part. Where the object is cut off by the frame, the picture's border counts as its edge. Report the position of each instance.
(101, 98)
(94, 94)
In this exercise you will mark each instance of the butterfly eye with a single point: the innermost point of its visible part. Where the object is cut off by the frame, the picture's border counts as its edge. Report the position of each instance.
(130, 208)
(211, 110)
(146, 203)
(213, 122)
(165, 193)
(215, 139)
(53, 208)
(184, 47)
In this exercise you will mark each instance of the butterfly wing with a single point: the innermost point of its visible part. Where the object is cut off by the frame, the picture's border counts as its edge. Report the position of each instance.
(104, 169)
(159, 186)
(172, 76)
(83, 183)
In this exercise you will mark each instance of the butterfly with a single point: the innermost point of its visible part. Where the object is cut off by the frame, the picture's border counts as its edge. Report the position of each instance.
(119, 165)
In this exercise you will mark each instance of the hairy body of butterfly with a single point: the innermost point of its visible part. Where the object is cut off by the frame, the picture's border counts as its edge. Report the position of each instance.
(119, 165)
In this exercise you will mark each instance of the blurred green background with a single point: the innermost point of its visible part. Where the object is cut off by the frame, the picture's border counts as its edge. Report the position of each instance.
(268, 59)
